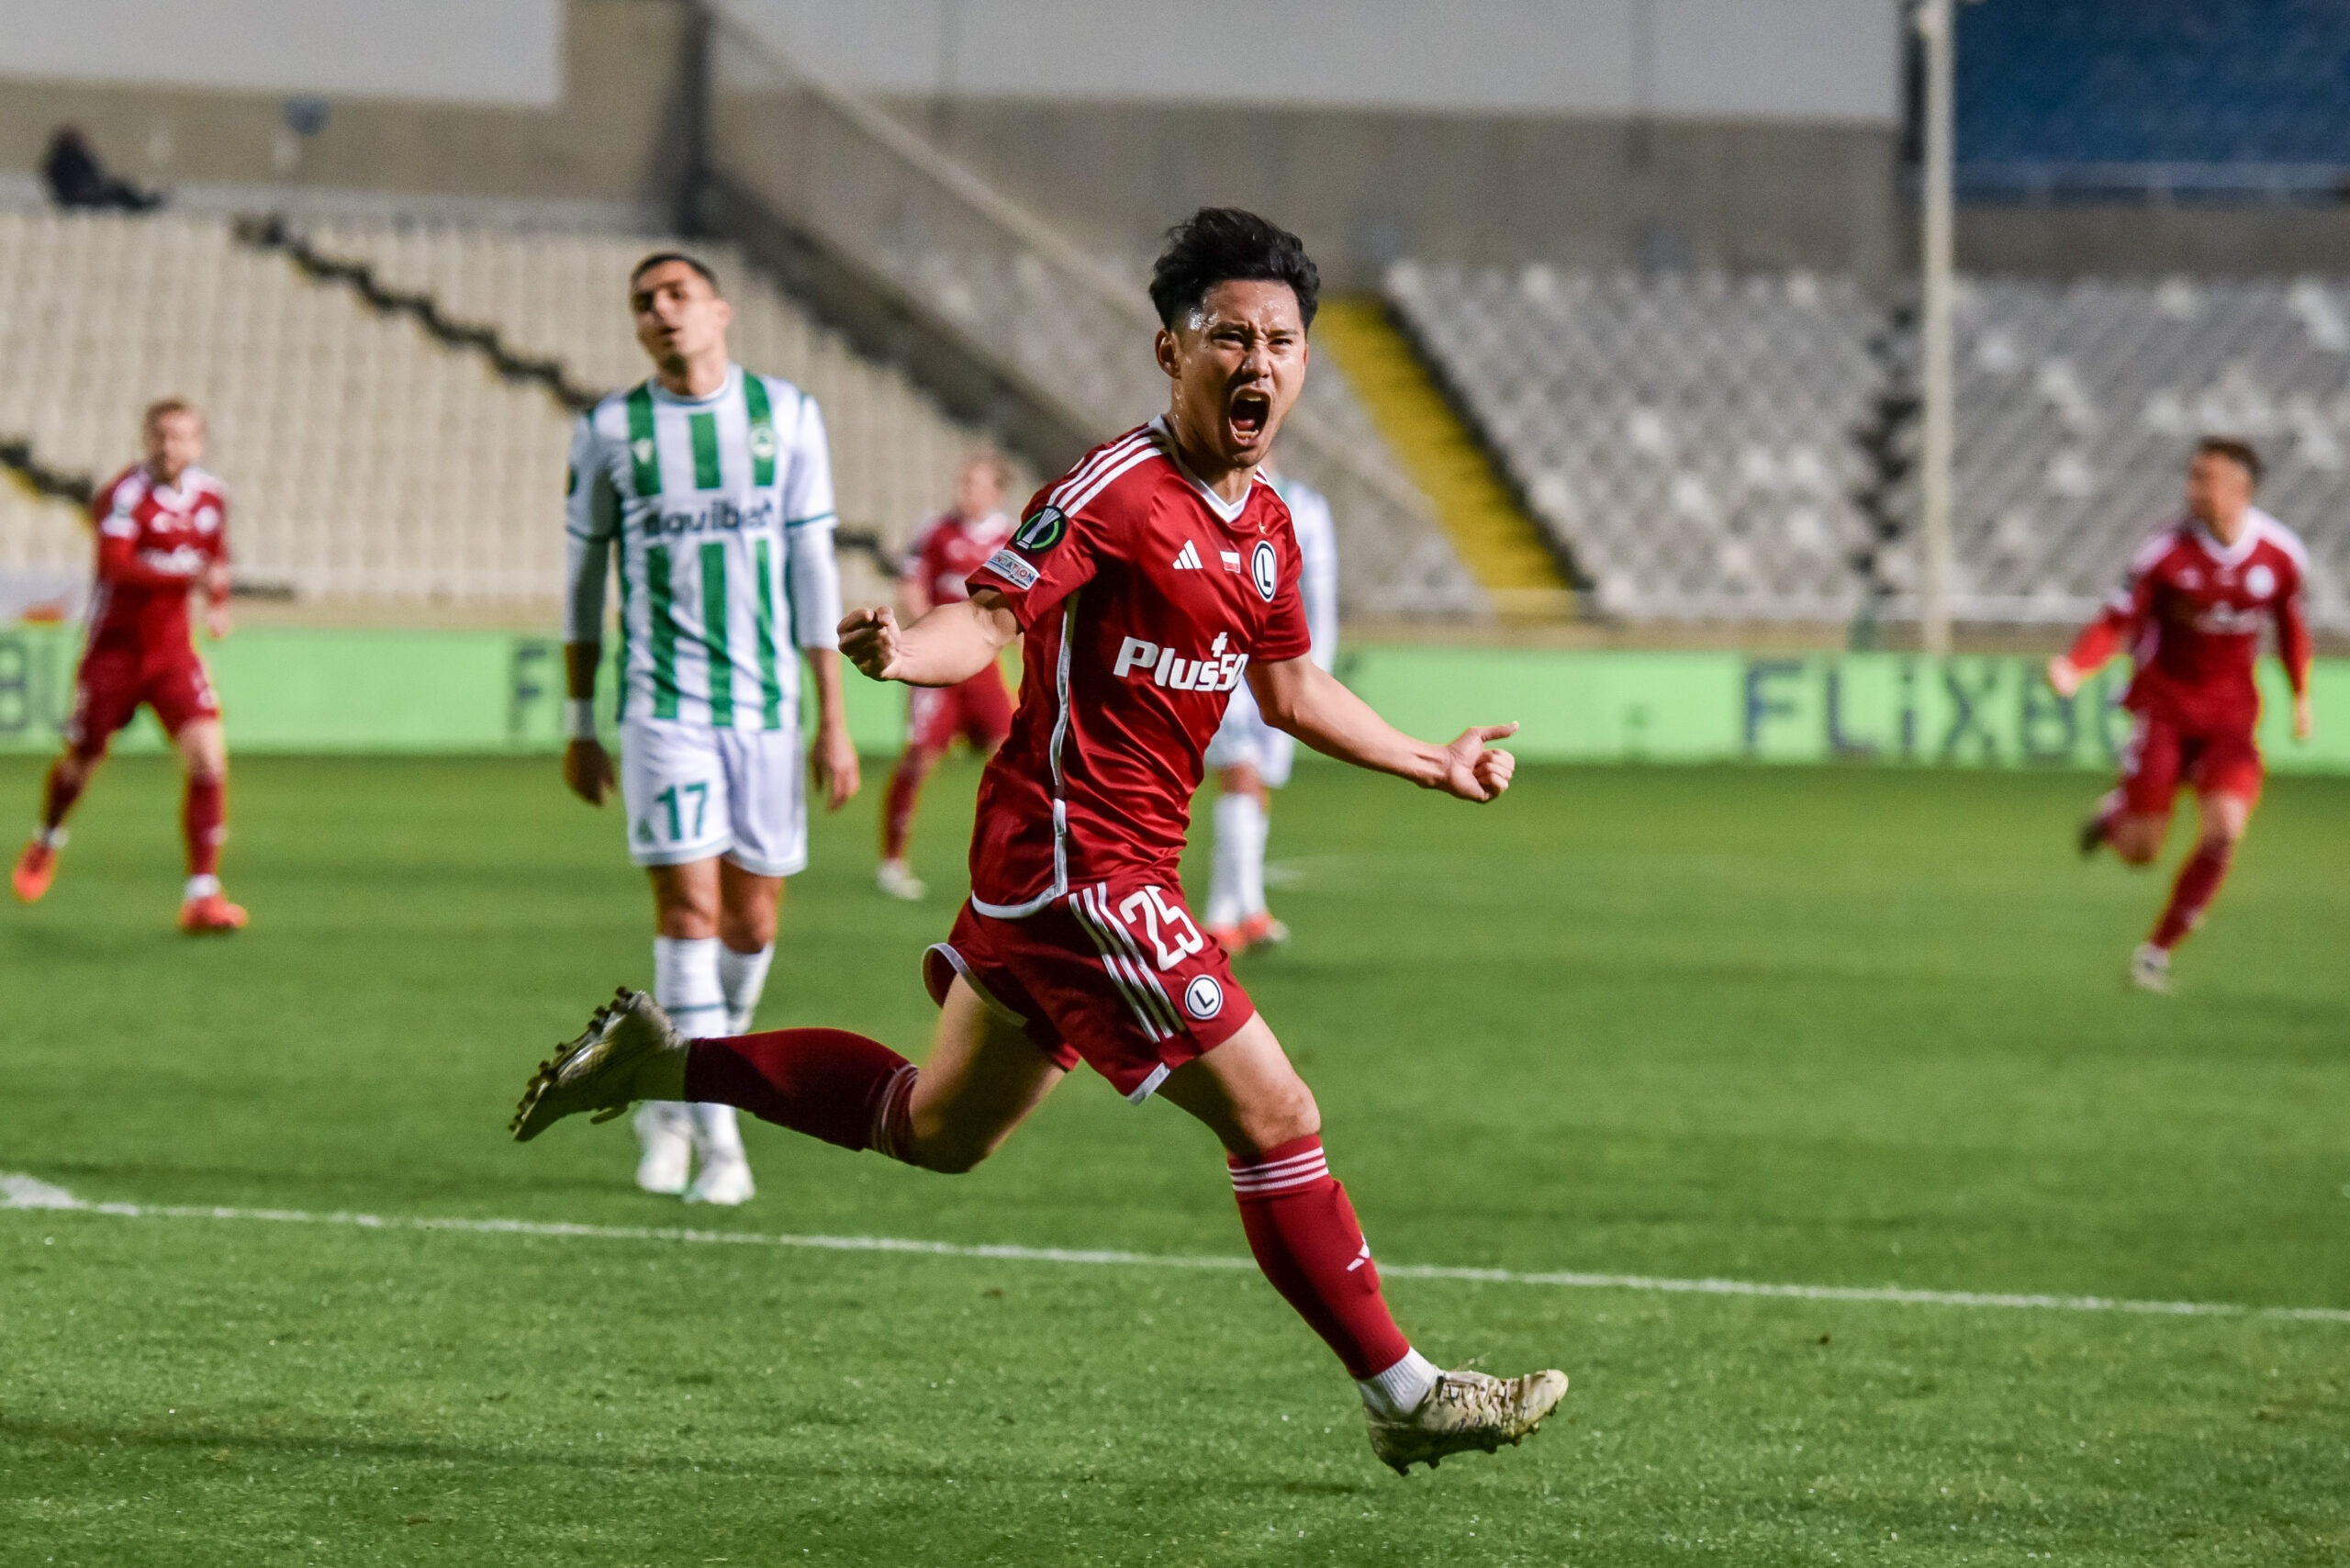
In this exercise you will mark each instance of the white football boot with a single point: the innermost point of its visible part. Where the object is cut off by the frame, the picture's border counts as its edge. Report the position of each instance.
(2150, 969)
(602, 1071)
(1466, 1410)
(893, 877)
(664, 1134)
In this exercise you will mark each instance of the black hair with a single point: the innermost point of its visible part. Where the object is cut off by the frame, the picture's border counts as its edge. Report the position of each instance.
(1221, 245)
(2237, 451)
(658, 257)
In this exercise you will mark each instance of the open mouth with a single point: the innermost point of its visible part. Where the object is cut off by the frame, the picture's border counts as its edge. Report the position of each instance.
(1250, 413)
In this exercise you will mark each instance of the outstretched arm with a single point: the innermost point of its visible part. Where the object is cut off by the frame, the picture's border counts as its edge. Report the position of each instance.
(953, 643)
(2294, 648)
(1310, 703)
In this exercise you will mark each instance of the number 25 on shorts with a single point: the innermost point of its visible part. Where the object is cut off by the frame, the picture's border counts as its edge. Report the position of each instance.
(1163, 920)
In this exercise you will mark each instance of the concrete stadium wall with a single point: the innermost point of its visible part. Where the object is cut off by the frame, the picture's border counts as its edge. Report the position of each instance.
(1802, 60)
(354, 691)
(1365, 186)
(2242, 241)
(617, 138)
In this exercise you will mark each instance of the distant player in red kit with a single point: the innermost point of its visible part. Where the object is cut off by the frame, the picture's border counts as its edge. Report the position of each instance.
(162, 532)
(1145, 586)
(948, 549)
(2190, 612)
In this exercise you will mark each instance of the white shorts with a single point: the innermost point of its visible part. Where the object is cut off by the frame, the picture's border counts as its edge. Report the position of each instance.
(693, 792)
(1245, 737)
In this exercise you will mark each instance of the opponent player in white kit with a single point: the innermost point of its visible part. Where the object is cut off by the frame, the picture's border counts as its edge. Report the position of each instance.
(1251, 758)
(713, 488)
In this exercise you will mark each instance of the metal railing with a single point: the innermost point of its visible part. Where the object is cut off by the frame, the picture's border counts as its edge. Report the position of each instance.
(834, 166)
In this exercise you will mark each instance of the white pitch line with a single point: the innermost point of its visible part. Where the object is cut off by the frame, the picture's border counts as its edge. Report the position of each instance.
(27, 1193)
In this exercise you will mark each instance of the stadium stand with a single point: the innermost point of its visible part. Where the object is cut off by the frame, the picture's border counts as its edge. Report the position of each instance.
(2216, 97)
(368, 459)
(2076, 403)
(364, 459)
(1689, 443)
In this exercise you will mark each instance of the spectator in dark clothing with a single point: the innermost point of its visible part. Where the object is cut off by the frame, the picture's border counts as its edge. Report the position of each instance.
(76, 178)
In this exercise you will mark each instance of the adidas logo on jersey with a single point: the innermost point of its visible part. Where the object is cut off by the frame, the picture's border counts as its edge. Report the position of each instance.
(1220, 671)
(1187, 559)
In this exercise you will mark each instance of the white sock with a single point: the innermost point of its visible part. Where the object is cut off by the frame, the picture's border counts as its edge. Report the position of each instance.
(1252, 859)
(742, 976)
(716, 1133)
(202, 886)
(50, 837)
(685, 982)
(1398, 1390)
(1236, 819)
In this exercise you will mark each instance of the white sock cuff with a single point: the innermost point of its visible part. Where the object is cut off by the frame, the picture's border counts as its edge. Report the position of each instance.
(685, 984)
(1399, 1390)
(50, 837)
(742, 977)
(200, 887)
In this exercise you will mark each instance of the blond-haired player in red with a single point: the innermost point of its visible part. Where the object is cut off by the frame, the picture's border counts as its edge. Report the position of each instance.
(2190, 611)
(162, 533)
(1143, 587)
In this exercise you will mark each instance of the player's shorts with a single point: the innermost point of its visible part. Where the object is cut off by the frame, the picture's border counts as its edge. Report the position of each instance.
(978, 709)
(1244, 737)
(2159, 755)
(694, 792)
(1116, 975)
(113, 682)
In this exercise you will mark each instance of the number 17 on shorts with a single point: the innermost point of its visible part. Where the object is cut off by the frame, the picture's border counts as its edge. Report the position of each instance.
(694, 792)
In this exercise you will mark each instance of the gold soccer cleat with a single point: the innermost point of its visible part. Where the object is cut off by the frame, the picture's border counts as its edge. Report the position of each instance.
(600, 1071)
(1466, 1410)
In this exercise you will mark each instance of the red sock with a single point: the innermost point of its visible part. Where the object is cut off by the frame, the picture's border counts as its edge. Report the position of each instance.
(2198, 881)
(828, 1083)
(1303, 1231)
(57, 797)
(897, 808)
(203, 811)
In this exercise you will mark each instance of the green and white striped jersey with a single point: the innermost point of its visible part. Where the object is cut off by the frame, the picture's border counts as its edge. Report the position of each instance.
(719, 512)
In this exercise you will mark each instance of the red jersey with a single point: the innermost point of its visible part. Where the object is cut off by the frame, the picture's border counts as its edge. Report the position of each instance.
(948, 549)
(155, 541)
(2190, 612)
(1141, 597)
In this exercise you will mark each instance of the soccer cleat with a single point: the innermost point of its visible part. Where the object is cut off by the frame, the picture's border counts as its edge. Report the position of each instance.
(210, 914)
(598, 1071)
(2150, 969)
(725, 1181)
(1466, 1410)
(893, 878)
(1261, 929)
(35, 868)
(667, 1139)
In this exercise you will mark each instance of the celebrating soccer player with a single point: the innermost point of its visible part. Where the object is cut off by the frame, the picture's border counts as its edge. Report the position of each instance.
(1252, 758)
(162, 530)
(2190, 612)
(714, 487)
(1145, 585)
(945, 552)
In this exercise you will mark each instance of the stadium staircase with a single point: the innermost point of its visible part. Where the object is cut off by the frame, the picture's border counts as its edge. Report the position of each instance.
(1443, 457)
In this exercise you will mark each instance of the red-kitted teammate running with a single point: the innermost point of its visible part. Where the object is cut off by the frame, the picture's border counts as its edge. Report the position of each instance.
(2190, 612)
(162, 530)
(1144, 585)
(948, 549)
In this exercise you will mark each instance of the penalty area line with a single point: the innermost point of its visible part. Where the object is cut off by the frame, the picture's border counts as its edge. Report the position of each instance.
(30, 1195)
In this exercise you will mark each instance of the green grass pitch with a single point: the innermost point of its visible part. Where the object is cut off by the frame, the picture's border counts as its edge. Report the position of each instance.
(1827, 1028)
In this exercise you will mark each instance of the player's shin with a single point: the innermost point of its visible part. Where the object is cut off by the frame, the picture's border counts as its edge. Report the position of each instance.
(1239, 860)
(204, 812)
(1305, 1236)
(897, 807)
(2198, 884)
(62, 788)
(828, 1083)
